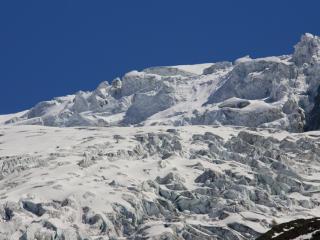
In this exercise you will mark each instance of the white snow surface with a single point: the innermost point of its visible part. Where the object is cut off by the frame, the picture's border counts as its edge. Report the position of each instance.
(154, 181)
(279, 93)
(206, 151)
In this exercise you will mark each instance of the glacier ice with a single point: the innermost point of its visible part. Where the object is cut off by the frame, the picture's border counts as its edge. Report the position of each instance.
(279, 92)
(214, 151)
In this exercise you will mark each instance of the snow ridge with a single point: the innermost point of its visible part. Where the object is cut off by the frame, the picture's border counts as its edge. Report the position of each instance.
(215, 151)
(279, 92)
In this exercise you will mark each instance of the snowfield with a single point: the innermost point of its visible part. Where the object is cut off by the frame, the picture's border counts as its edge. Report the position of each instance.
(208, 151)
(272, 92)
(191, 182)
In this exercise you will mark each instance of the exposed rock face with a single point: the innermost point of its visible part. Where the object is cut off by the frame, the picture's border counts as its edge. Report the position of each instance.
(272, 92)
(313, 121)
(306, 229)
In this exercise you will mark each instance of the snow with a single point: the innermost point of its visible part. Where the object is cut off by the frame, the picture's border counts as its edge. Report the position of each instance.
(108, 174)
(196, 68)
(243, 59)
(273, 88)
(179, 95)
(206, 150)
(4, 118)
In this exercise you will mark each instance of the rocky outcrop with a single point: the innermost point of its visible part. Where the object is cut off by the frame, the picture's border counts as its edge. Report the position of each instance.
(307, 229)
(313, 121)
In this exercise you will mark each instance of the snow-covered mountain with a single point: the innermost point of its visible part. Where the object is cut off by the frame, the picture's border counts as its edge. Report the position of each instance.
(154, 182)
(212, 151)
(275, 92)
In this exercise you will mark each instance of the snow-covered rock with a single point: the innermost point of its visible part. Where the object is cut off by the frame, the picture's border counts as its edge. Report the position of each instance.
(307, 51)
(278, 92)
(190, 182)
(207, 151)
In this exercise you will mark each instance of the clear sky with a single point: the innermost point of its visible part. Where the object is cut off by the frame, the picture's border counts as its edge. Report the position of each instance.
(52, 48)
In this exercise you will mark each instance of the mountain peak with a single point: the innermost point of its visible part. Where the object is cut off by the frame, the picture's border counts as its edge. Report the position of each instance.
(278, 92)
(307, 50)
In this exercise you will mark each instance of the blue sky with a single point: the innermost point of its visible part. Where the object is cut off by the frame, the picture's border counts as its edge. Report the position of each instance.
(54, 48)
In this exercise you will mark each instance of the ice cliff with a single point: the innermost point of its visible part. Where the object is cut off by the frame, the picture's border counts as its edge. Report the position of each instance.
(273, 92)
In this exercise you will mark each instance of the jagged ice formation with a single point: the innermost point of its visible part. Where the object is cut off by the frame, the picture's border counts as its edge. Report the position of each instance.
(216, 151)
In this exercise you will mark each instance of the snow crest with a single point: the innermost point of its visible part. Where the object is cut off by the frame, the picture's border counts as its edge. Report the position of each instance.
(215, 151)
(279, 92)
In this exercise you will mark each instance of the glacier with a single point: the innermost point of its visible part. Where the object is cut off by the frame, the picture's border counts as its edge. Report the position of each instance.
(278, 92)
(214, 151)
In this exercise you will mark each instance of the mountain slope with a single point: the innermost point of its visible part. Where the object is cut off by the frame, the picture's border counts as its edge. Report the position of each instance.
(277, 92)
(215, 151)
(191, 182)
